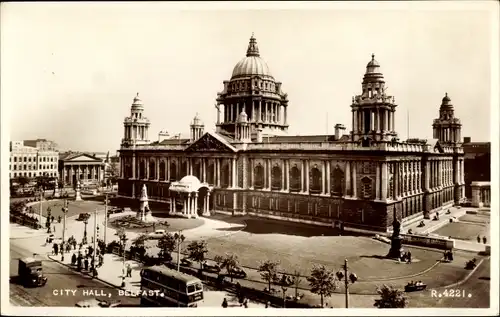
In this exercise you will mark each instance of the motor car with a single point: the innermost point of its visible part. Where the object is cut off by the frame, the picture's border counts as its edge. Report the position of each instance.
(238, 272)
(83, 216)
(115, 210)
(96, 302)
(213, 268)
(158, 234)
(186, 262)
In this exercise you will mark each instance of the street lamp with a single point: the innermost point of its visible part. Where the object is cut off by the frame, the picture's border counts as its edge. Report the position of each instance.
(64, 211)
(123, 238)
(85, 222)
(348, 279)
(179, 238)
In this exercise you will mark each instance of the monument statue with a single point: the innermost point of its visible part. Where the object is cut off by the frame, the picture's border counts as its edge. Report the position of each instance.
(144, 212)
(78, 195)
(396, 240)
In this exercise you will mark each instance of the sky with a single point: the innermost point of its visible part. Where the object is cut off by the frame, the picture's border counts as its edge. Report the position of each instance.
(71, 70)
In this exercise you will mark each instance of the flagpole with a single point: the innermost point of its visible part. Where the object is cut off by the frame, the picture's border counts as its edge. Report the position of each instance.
(407, 124)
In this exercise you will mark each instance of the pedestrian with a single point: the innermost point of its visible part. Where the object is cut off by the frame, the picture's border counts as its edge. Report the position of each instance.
(56, 248)
(409, 256)
(484, 239)
(73, 259)
(478, 239)
(268, 304)
(224, 303)
(59, 219)
(86, 264)
(129, 270)
(52, 219)
(245, 303)
(79, 265)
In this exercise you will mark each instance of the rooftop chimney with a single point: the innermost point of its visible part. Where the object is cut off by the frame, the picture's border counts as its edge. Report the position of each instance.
(162, 135)
(339, 130)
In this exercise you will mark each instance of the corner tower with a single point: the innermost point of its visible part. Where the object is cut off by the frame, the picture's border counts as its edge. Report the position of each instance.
(447, 129)
(136, 126)
(197, 128)
(373, 111)
(253, 90)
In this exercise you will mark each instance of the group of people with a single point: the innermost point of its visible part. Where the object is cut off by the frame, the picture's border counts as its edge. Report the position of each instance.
(406, 257)
(448, 256)
(479, 239)
(82, 260)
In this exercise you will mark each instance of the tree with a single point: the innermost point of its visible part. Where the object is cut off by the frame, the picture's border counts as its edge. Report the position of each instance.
(167, 245)
(112, 172)
(197, 251)
(268, 271)
(322, 282)
(229, 262)
(284, 281)
(296, 282)
(23, 181)
(390, 297)
(17, 207)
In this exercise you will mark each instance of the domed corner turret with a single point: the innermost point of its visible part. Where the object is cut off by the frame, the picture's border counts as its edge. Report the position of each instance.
(137, 101)
(197, 128)
(446, 102)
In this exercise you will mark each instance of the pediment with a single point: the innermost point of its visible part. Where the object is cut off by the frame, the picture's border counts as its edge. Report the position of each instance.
(82, 158)
(210, 143)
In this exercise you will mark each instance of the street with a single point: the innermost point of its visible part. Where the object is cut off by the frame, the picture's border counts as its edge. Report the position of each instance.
(61, 279)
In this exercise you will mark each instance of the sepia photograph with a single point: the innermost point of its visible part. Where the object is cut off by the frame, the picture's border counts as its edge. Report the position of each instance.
(250, 158)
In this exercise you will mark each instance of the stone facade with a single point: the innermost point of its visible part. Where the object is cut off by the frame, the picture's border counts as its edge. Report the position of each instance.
(364, 180)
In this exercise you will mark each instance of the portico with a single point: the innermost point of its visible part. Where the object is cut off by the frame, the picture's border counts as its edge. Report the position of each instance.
(188, 190)
(80, 167)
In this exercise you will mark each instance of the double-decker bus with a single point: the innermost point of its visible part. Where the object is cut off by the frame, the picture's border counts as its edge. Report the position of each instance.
(161, 286)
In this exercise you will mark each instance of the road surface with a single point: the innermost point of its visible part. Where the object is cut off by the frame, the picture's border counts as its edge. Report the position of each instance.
(64, 287)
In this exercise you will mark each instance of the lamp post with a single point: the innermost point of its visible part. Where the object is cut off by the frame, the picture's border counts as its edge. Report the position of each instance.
(179, 238)
(85, 222)
(346, 278)
(41, 209)
(64, 211)
(105, 218)
(123, 238)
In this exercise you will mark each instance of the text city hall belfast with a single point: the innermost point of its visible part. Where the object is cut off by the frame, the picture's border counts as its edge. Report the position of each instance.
(362, 180)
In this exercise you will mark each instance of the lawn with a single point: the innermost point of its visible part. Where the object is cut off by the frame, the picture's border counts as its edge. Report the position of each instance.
(174, 224)
(475, 218)
(464, 231)
(74, 207)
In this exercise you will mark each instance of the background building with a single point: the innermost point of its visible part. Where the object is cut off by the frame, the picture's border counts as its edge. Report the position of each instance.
(477, 163)
(33, 158)
(365, 179)
(88, 168)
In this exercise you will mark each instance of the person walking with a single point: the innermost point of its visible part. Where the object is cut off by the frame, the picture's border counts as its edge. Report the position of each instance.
(224, 303)
(478, 239)
(129, 270)
(484, 239)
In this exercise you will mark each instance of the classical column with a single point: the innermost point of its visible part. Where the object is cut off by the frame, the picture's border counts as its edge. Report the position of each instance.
(348, 191)
(189, 205)
(269, 174)
(323, 178)
(287, 178)
(217, 168)
(328, 179)
(307, 171)
(285, 108)
(157, 168)
(233, 172)
(190, 164)
(462, 174)
(195, 211)
(207, 205)
(354, 180)
(133, 166)
(174, 206)
(302, 176)
(386, 120)
(64, 175)
(396, 181)
(252, 169)
(204, 168)
(283, 173)
(354, 121)
(383, 178)
(260, 111)
(184, 205)
(377, 182)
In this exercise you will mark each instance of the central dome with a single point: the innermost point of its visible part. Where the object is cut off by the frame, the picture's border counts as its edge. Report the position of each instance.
(252, 64)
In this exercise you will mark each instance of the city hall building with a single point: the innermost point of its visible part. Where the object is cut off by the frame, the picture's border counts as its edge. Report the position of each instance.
(250, 165)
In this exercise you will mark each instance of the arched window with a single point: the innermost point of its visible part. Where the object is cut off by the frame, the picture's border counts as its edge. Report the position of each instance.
(173, 171)
(152, 170)
(276, 183)
(338, 181)
(225, 177)
(210, 174)
(142, 170)
(162, 170)
(315, 180)
(295, 179)
(259, 177)
(366, 187)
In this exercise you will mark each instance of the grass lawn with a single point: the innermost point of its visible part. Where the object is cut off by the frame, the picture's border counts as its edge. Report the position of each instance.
(74, 207)
(174, 224)
(475, 218)
(464, 231)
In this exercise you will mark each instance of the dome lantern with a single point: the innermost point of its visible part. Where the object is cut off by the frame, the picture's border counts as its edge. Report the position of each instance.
(253, 49)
